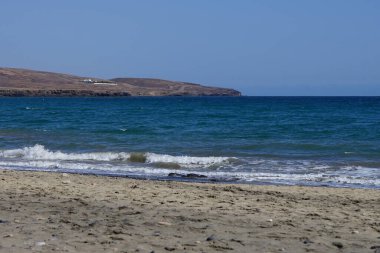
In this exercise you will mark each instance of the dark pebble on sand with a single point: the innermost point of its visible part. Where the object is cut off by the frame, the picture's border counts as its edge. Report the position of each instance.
(211, 238)
(238, 241)
(3, 221)
(306, 240)
(92, 223)
(339, 245)
(122, 207)
(115, 238)
(117, 231)
(169, 248)
(375, 247)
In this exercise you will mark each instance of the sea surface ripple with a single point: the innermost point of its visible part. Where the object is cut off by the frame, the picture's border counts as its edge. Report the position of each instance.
(317, 141)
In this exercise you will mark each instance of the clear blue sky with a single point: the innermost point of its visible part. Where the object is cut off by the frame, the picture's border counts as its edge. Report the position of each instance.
(267, 47)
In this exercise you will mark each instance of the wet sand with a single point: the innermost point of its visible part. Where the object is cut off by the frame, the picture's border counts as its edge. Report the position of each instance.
(53, 212)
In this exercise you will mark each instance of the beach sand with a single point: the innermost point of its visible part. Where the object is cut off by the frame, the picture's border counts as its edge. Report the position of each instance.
(53, 212)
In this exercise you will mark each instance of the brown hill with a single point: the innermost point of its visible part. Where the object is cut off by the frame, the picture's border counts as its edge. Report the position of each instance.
(23, 82)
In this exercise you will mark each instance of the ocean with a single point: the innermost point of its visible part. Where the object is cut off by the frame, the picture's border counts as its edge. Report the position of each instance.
(313, 141)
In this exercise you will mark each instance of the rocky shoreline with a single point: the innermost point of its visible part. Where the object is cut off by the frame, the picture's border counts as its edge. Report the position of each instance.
(60, 93)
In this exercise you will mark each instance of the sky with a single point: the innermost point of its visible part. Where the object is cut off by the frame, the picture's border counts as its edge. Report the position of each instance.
(261, 48)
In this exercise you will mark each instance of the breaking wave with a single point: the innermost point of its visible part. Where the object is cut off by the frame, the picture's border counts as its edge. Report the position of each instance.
(155, 158)
(39, 152)
(212, 168)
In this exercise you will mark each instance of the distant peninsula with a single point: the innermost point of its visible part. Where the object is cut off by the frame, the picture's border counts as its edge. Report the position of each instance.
(23, 82)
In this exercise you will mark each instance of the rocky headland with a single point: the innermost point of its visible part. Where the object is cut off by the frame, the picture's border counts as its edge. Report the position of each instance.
(23, 82)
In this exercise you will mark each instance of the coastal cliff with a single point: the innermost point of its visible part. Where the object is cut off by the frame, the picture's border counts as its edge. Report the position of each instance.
(23, 82)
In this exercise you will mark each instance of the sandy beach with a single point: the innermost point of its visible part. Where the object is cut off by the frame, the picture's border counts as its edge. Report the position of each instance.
(53, 212)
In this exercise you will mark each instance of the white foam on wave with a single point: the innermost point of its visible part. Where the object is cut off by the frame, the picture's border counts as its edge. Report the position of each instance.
(125, 169)
(32, 108)
(316, 178)
(39, 158)
(185, 160)
(39, 152)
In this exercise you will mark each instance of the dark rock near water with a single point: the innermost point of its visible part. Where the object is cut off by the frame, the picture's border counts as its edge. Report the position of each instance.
(232, 179)
(193, 175)
(190, 175)
(172, 174)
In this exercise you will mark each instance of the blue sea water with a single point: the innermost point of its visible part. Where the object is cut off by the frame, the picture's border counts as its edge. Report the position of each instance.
(329, 141)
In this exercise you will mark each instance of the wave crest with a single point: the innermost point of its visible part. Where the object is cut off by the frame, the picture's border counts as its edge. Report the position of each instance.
(186, 160)
(39, 152)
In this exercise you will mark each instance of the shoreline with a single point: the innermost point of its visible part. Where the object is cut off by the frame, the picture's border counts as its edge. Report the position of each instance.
(196, 179)
(45, 212)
